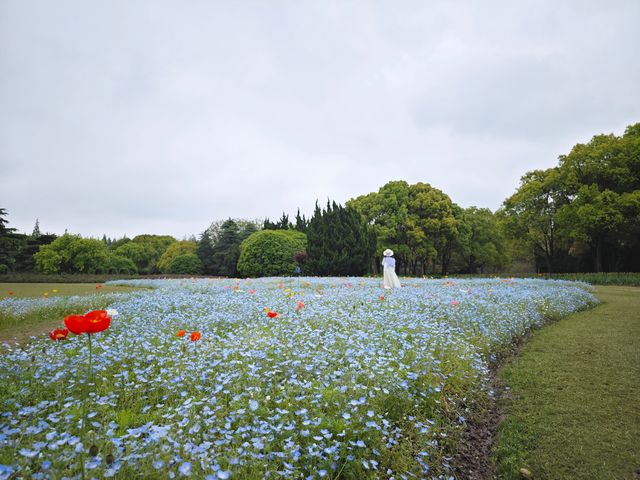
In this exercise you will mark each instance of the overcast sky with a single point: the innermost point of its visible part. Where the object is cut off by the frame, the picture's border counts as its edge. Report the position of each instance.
(135, 116)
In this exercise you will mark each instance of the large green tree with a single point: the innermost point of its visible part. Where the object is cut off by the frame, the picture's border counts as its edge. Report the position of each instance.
(433, 224)
(387, 211)
(72, 254)
(145, 251)
(205, 253)
(418, 222)
(9, 243)
(602, 181)
(24, 259)
(219, 245)
(582, 214)
(531, 213)
(480, 245)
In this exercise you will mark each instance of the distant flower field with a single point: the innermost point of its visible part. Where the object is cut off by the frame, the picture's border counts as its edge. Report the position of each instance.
(269, 378)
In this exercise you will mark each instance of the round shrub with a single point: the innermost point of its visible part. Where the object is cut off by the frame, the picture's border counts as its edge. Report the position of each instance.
(187, 264)
(173, 251)
(269, 253)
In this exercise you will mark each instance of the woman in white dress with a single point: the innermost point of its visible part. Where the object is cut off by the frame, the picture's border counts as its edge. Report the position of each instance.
(389, 264)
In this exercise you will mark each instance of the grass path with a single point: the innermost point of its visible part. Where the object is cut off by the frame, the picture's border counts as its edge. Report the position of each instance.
(573, 408)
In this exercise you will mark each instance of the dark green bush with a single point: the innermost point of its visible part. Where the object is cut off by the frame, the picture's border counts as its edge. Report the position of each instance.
(187, 264)
(270, 252)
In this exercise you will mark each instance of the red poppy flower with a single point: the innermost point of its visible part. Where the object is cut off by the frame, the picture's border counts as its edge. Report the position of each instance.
(181, 333)
(271, 314)
(382, 297)
(252, 292)
(10, 293)
(58, 334)
(195, 336)
(300, 305)
(93, 322)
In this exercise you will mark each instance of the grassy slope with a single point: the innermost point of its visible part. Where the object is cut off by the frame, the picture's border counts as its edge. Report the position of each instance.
(44, 319)
(574, 411)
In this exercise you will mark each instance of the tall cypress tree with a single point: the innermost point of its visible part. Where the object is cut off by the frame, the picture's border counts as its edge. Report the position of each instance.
(301, 222)
(226, 250)
(339, 242)
(205, 253)
(8, 243)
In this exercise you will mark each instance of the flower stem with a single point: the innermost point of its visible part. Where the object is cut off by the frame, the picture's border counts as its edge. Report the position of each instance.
(84, 403)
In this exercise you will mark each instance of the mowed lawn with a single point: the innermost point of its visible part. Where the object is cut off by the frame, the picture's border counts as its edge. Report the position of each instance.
(41, 290)
(573, 408)
(40, 321)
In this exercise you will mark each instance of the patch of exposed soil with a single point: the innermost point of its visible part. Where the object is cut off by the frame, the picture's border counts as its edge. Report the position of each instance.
(474, 457)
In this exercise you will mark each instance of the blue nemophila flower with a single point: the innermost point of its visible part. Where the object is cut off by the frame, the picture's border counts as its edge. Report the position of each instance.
(185, 469)
(28, 453)
(350, 356)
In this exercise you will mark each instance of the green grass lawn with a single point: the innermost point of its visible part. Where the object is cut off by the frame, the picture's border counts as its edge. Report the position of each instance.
(40, 320)
(573, 408)
(34, 290)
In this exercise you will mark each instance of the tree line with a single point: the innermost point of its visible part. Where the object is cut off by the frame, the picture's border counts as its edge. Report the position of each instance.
(581, 215)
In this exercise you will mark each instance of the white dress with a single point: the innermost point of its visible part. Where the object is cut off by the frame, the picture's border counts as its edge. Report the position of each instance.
(390, 277)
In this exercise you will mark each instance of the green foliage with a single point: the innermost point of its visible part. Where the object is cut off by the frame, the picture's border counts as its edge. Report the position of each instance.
(339, 242)
(186, 264)
(583, 214)
(120, 264)
(418, 222)
(9, 242)
(145, 251)
(481, 244)
(205, 252)
(282, 224)
(608, 278)
(270, 253)
(28, 246)
(226, 250)
(72, 254)
(301, 223)
(219, 246)
(114, 245)
(4, 229)
(173, 251)
(244, 225)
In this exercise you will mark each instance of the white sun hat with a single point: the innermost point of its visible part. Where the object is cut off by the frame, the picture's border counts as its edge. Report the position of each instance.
(388, 252)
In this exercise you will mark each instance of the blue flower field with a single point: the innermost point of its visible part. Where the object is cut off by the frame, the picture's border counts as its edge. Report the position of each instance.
(342, 380)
